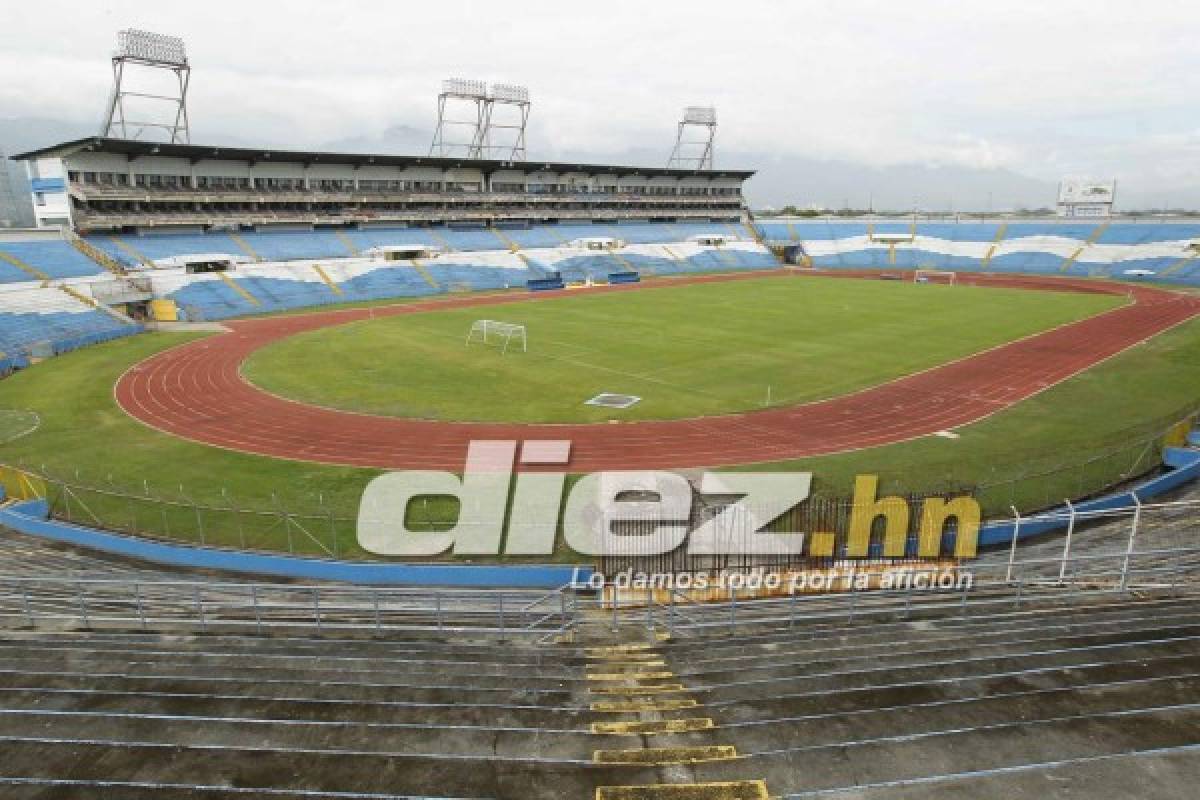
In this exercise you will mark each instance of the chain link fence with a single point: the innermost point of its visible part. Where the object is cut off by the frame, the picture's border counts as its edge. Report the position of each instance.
(326, 527)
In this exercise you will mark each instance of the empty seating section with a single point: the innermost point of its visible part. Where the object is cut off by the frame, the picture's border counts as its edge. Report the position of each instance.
(471, 238)
(285, 286)
(42, 322)
(166, 245)
(294, 245)
(535, 237)
(58, 258)
(204, 297)
(11, 274)
(298, 269)
(277, 294)
(54, 258)
(460, 277)
(396, 281)
(367, 238)
(932, 698)
(1162, 251)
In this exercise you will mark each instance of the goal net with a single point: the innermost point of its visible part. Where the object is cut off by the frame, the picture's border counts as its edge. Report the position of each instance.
(493, 332)
(934, 276)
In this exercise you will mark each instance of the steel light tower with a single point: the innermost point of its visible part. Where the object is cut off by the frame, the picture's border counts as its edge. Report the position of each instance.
(466, 136)
(514, 106)
(468, 122)
(144, 54)
(695, 153)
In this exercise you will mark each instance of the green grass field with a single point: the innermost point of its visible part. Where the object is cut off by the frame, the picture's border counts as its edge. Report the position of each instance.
(1105, 419)
(687, 351)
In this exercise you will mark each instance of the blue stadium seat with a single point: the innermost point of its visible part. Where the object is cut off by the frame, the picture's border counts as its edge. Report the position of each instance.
(26, 331)
(53, 257)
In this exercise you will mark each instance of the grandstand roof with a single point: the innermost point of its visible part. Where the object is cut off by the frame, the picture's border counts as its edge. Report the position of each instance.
(198, 152)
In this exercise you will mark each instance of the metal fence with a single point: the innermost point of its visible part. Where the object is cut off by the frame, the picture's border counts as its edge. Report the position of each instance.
(1103, 554)
(325, 526)
(1144, 547)
(200, 606)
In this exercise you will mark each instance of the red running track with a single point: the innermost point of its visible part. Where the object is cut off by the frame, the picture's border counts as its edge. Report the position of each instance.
(196, 391)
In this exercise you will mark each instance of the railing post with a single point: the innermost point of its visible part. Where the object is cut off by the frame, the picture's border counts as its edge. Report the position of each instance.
(732, 610)
(200, 608)
(317, 606)
(254, 603)
(1062, 568)
(25, 603)
(671, 613)
(1133, 529)
(137, 597)
(1012, 550)
(437, 605)
(83, 609)
(199, 523)
(500, 608)
(132, 514)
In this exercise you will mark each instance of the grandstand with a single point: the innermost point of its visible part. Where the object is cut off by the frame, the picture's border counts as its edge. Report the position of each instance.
(121, 185)
(194, 233)
(151, 682)
(1124, 249)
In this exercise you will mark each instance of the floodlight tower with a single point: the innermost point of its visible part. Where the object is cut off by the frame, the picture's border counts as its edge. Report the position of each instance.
(695, 153)
(461, 96)
(516, 100)
(146, 53)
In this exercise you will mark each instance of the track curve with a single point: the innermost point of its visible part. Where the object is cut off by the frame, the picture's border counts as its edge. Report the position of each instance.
(196, 392)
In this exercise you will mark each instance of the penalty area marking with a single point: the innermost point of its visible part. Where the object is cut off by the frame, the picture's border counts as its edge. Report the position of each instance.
(611, 400)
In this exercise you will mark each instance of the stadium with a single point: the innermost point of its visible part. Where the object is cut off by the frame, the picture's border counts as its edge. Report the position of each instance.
(210, 355)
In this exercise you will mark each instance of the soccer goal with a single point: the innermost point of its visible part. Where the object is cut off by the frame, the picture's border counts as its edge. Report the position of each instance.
(493, 332)
(935, 276)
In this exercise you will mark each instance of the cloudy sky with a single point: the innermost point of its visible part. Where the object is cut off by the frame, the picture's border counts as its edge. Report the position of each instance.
(834, 101)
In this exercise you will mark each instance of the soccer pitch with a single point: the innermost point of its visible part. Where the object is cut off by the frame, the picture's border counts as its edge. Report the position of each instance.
(685, 350)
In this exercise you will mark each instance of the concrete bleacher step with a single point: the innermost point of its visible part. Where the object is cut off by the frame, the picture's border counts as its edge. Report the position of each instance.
(722, 790)
(325, 769)
(927, 719)
(415, 672)
(771, 668)
(849, 764)
(836, 705)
